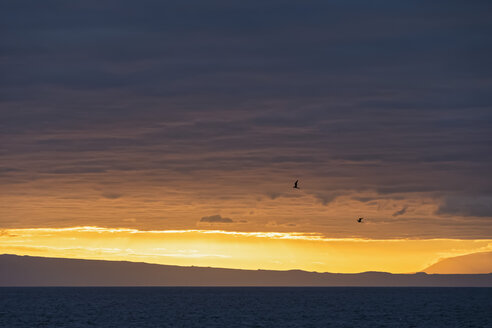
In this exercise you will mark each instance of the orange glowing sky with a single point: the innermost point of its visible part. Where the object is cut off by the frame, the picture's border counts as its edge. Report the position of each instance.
(186, 134)
(241, 250)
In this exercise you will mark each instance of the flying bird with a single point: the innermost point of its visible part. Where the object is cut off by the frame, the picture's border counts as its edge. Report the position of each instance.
(360, 220)
(295, 185)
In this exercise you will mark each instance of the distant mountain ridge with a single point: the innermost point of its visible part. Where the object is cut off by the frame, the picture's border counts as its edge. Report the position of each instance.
(465, 264)
(43, 271)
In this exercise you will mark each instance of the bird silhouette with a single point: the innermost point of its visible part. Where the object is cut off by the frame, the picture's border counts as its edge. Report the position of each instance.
(360, 220)
(295, 185)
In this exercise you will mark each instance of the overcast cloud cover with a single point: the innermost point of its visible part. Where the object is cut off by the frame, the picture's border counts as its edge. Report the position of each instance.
(159, 112)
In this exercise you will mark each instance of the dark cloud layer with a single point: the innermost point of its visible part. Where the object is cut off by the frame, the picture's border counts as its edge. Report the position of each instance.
(387, 98)
(480, 206)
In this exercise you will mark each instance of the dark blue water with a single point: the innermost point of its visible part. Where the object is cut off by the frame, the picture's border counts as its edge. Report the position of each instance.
(245, 307)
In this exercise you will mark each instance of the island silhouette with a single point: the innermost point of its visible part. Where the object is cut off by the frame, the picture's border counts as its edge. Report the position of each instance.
(43, 271)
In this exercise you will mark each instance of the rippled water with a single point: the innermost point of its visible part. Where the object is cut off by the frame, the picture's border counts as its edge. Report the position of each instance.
(245, 307)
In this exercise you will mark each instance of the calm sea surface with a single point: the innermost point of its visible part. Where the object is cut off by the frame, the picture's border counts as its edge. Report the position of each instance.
(245, 307)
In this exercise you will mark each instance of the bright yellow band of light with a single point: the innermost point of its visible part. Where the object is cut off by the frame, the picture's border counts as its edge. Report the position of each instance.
(241, 250)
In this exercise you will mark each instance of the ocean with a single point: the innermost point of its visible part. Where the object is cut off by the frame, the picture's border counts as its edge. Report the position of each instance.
(142, 307)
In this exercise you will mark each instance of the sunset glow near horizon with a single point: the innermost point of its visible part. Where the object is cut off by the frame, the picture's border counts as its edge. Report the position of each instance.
(238, 250)
(172, 133)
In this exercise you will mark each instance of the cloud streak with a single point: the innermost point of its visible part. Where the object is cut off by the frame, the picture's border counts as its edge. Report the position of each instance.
(216, 219)
(400, 212)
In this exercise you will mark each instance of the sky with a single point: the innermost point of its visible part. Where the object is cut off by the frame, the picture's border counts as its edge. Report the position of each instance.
(196, 116)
